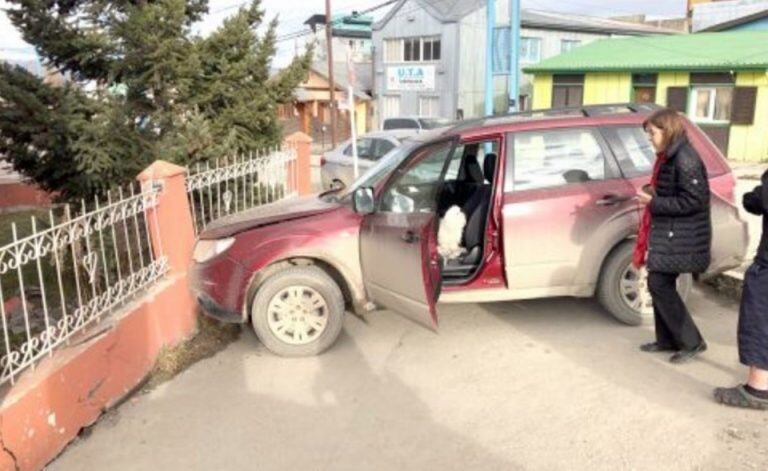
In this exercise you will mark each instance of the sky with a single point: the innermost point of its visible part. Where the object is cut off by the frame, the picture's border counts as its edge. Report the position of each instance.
(292, 13)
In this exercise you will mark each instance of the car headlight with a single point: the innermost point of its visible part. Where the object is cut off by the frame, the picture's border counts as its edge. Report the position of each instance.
(207, 249)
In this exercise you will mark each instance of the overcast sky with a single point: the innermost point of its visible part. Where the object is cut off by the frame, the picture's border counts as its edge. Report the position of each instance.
(292, 14)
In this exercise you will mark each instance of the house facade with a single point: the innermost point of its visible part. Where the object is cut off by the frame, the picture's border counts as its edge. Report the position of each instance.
(429, 56)
(730, 15)
(724, 91)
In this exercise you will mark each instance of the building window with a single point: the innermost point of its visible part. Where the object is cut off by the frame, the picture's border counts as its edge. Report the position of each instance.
(393, 50)
(426, 49)
(530, 50)
(569, 44)
(567, 91)
(644, 88)
(711, 104)
(391, 106)
(429, 106)
(412, 50)
(431, 48)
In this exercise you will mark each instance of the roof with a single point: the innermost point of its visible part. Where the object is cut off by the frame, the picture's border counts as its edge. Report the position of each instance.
(446, 11)
(738, 21)
(700, 52)
(343, 25)
(570, 22)
(363, 75)
(454, 10)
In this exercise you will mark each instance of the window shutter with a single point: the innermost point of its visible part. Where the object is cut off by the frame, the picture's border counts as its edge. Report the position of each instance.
(677, 98)
(744, 101)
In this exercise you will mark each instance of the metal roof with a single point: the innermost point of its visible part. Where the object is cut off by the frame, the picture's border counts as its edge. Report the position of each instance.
(454, 10)
(690, 52)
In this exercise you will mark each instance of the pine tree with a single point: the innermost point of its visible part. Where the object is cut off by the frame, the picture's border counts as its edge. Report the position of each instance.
(142, 87)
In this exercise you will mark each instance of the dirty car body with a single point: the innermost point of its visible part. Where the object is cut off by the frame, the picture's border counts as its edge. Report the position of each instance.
(549, 198)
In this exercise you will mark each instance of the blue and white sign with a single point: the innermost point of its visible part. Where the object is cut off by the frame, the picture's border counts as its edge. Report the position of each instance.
(411, 77)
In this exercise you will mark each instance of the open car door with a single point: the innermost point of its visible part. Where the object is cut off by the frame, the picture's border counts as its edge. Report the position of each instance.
(398, 242)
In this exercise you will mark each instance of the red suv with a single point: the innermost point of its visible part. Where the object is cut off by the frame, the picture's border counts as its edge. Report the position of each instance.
(549, 199)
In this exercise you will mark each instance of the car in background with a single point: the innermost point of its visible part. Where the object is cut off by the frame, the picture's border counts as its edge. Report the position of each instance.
(416, 123)
(551, 208)
(337, 166)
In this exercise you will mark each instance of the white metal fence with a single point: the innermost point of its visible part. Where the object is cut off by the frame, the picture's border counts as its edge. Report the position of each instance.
(70, 269)
(237, 184)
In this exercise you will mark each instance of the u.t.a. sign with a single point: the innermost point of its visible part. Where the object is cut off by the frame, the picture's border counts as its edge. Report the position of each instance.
(411, 77)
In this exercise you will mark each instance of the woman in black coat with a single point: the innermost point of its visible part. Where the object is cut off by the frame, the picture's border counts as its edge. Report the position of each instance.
(679, 238)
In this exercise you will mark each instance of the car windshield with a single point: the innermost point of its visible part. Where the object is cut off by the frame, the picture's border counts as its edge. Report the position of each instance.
(433, 123)
(382, 168)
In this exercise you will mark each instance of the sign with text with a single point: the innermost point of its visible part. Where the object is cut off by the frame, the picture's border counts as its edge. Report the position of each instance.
(411, 77)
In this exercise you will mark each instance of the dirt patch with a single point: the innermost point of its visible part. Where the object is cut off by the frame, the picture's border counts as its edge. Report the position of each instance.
(727, 286)
(211, 338)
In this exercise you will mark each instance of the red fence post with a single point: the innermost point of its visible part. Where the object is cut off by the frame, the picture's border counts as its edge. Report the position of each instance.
(302, 143)
(170, 221)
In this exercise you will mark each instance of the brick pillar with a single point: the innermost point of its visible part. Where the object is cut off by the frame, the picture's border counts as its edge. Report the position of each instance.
(172, 231)
(302, 143)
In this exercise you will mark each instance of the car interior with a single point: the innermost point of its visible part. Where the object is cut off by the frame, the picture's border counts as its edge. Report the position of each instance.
(470, 189)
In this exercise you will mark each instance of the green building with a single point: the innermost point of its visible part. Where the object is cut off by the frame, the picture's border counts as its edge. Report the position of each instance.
(720, 80)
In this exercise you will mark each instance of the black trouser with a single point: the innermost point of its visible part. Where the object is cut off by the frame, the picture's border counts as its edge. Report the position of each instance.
(675, 327)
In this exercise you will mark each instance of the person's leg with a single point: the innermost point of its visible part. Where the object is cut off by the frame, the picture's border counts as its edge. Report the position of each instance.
(753, 344)
(657, 283)
(758, 379)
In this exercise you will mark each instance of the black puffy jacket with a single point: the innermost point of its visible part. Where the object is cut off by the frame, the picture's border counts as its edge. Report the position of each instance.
(756, 202)
(681, 226)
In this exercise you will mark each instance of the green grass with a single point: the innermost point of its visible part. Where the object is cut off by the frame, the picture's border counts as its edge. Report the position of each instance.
(23, 223)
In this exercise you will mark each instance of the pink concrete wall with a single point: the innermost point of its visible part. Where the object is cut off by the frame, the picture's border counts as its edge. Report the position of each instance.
(49, 405)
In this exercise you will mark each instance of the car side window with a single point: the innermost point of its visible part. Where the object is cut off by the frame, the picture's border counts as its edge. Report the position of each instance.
(400, 123)
(382, 147)
(414, 187)
(632, 148)
(364, 148)
(548, 159)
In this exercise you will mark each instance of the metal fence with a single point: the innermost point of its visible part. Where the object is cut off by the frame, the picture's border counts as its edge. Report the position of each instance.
(63, 272)
(237, 184)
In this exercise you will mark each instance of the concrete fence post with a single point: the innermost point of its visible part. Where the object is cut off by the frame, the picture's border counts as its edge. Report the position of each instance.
(302, 143)
(171, 228)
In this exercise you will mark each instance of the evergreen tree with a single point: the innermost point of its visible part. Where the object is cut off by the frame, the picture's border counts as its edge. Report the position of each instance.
(142, 87)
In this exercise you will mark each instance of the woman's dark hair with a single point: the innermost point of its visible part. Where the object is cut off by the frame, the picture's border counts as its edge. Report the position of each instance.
(670, 122)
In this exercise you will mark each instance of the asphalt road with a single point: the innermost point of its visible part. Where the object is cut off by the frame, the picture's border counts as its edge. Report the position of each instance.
(550, 385)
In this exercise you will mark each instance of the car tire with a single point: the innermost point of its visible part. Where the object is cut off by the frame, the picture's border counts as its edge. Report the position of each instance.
(615, 287)
(275, 306)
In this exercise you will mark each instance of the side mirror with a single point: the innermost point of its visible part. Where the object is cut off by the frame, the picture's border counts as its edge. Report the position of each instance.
(362, 201)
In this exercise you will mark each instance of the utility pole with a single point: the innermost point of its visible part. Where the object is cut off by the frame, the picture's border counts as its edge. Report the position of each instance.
(490, 20)
(331, 83)
(514, 55)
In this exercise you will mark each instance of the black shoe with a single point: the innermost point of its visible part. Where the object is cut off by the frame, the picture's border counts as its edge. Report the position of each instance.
(654, 347)
(684, 356)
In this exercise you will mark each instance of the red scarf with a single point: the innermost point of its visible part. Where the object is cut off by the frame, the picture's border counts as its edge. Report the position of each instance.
(644, 231)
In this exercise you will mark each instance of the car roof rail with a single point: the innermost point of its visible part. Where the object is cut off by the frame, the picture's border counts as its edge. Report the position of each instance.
(572, 111)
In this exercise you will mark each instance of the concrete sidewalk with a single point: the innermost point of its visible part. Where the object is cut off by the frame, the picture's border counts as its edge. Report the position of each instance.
(550, 385)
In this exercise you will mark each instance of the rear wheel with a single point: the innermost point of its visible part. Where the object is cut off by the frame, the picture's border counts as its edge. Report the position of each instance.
(298, 312)
(623, 289)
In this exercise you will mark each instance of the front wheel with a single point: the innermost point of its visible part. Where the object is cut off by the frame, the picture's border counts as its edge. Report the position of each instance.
(298, 312)
(623, 289)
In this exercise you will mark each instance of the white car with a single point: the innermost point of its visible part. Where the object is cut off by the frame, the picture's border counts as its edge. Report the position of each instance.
(417, 123)
(338, 164)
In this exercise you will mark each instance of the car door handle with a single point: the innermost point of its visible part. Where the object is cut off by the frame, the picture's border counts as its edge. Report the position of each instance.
(610, 200)
(409, 237)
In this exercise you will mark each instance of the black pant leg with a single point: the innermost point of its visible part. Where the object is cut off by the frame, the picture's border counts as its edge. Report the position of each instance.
(671, 312)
